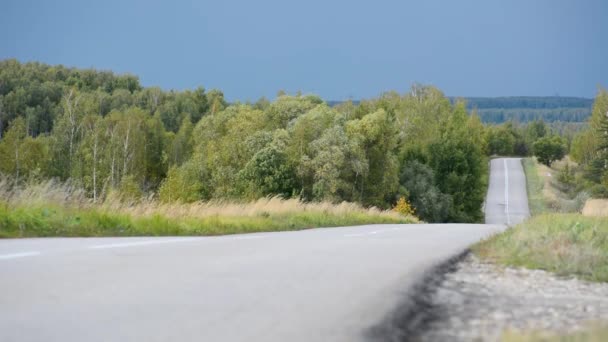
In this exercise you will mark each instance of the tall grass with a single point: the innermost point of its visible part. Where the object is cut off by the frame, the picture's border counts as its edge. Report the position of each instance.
(594, 333)
(534, 185)
(545, 192)
(566, 244)
(50, 208)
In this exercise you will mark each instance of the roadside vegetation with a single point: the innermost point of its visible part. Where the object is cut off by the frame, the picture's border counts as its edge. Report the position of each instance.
(534, 185)
(554, 189)
(558, 238)
(566, 244)
(52, 209)
(117, 141)
(595, 333)
(110, 136)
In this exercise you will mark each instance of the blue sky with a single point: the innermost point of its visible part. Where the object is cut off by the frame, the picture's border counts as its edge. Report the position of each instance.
(337, 49)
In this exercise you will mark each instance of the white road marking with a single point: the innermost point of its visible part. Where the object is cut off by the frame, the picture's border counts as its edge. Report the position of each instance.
(140, 243)
(507, 192)
(354, 235)
(158, 242)
(18, 255)
(248, 237)
(368, 233)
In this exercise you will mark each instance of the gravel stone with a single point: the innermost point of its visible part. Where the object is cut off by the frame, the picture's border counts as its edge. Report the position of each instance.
(479, 300)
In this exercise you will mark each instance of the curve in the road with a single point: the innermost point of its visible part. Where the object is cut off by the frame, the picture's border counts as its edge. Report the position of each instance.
(314, 285)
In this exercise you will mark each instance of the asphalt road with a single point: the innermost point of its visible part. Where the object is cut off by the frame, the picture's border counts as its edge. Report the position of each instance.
(315, 285)
(507, 199)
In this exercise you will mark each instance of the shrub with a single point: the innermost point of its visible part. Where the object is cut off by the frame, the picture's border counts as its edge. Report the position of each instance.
(403, 207)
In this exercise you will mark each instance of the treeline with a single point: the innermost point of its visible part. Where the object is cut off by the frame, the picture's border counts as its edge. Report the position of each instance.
(529, 102)
(109, 135)
(523, 115)
(589, 149)
(531, 108)
(37, 93)
(553, 109)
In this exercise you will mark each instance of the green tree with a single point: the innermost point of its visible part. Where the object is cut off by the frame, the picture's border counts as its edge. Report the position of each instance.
(180, 148)
(91, 152)
(501, 141)
(21, 155)
(183, 184)
(335, 164)
(269, 172)
(460, 168)
(376, 133)
(549, 149)
(418, 182)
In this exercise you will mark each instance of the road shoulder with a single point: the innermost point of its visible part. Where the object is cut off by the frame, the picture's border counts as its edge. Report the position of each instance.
(480, 301)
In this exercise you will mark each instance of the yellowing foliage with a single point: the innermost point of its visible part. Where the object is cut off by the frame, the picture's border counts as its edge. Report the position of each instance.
(404, 208)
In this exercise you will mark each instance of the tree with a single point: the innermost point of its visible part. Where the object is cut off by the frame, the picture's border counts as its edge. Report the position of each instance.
(20, 154)
(459, 166)
(583, 148)
(11, 153)
(418, 182)
(377, 135)
(269, 172)
(549, 149)
(181, 145)
(92, 151)
(500, 141)
(335, 164)
(183, 184)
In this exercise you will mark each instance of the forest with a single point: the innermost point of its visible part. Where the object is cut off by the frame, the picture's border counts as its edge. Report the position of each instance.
(112, 137)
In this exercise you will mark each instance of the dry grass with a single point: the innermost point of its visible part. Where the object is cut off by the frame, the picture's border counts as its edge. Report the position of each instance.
(50, 208)
(596, 207)
(566, 244)
(545, 193)
(262, 206)
(41, 193)
(594, 333)
(69, 195)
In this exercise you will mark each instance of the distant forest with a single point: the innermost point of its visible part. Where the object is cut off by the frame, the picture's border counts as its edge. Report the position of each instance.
(523, 109)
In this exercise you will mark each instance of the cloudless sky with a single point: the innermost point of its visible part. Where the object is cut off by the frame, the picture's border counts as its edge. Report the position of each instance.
(336, 49)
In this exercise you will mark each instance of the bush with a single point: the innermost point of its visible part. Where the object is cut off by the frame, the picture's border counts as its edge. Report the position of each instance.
(404, 208)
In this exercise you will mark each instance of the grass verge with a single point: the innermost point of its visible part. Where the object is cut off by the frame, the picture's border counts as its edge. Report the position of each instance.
(534, 186)
(47, 221)
(566, 244)
(597, 333)
(54, 209)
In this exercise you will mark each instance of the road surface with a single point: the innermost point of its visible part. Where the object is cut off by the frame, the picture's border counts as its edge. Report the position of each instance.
(316, 285)
(507, 199)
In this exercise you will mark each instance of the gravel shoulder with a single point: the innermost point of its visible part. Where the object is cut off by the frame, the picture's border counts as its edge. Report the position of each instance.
(479, 301)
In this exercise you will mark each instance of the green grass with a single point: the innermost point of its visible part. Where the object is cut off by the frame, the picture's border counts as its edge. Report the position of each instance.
(49, 220)
(597, 333)
(534, 186)
(566, 244)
